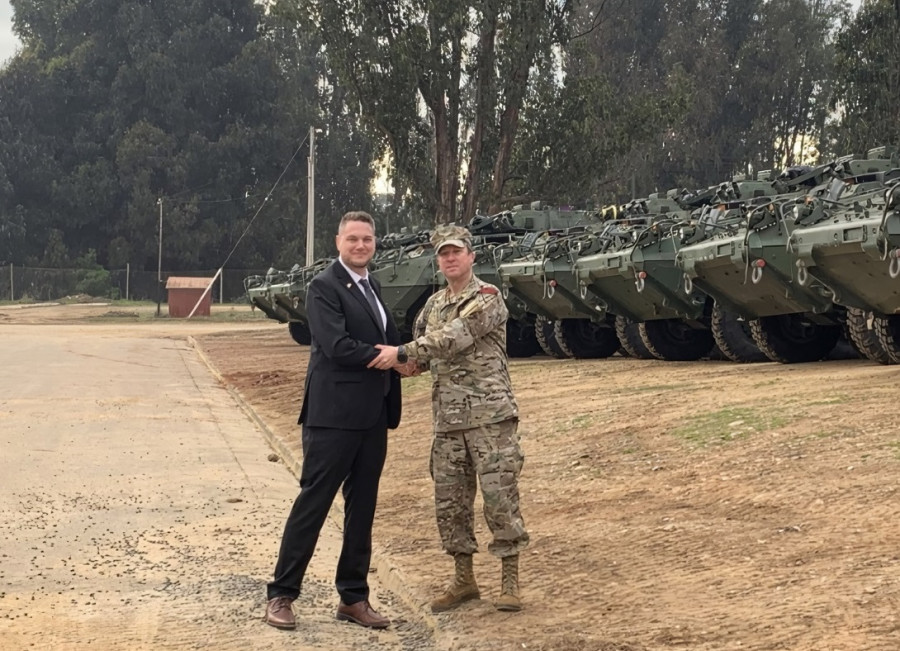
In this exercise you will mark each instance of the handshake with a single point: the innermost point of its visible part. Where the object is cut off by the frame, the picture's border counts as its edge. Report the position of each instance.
(387, 358)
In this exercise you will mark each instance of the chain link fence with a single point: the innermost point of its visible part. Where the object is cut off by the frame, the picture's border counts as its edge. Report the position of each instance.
(36, 284)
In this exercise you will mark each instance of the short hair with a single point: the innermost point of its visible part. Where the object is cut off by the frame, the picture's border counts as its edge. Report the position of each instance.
(356, 216)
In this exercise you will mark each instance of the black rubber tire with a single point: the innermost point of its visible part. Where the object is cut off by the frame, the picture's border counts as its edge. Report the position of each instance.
(675, 341)
(520, 337)
(716, 354)
(629, 335)
(791, 339)
(865, 339)
(586, 339)
(544, 332)
(888, 329)
(734, 338)
(300, 333)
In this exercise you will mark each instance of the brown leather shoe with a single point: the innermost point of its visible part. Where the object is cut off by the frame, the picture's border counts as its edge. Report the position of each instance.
(363, 614)
(280, 614)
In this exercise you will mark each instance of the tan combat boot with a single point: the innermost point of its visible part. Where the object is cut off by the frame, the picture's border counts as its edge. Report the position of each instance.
(509, 591)
(462, 589)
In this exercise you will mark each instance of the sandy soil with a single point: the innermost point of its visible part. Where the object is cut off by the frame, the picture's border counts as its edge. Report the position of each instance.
(702, 505)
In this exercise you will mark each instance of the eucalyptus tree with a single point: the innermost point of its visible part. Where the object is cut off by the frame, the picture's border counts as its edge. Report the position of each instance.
(441, 85)
(866, 98)
(687, 92)
(114, 107)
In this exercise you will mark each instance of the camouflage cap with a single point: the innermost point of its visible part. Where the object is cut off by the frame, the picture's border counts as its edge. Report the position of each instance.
(451, 234)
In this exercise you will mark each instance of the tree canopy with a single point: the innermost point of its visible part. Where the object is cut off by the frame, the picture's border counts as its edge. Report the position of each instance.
(113, 108)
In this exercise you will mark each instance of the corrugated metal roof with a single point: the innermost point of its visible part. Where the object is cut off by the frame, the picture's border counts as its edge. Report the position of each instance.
(187, 282)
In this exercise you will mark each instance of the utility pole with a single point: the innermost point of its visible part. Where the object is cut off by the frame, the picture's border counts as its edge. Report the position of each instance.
(311, 198)
(159, 261)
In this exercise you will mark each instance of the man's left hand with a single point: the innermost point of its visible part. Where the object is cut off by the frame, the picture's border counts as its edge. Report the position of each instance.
(387, 357)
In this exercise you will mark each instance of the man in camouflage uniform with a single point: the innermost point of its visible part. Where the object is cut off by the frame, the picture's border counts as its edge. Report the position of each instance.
(461, 336)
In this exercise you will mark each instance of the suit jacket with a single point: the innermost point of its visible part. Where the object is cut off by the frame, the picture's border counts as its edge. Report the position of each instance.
(340, 392)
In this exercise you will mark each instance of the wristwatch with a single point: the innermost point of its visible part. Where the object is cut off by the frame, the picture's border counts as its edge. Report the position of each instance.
(402, 357)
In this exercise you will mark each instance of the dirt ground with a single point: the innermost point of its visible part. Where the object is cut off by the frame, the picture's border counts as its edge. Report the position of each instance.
(696, 505)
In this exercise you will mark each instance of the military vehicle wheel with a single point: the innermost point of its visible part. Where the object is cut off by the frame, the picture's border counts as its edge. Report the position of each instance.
(300, 333)
(792, 338)
(521, 340)
(865, 336)
(544, 332)
(888, 329)
(675, 341)
(734, 338)
(629, 334)
(586, 339)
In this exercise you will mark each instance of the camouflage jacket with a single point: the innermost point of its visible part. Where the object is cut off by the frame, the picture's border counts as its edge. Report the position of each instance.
(462, 338)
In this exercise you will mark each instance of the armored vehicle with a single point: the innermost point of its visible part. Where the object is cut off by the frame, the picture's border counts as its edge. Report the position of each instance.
(738, 255)
(405, 266)
(281, 296)
(887, 326)
(567, 324)
(629, 271)
(406, 270)
(841, 241)
(490, 251)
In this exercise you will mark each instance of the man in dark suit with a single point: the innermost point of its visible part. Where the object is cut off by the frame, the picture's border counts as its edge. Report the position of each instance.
(347, 410)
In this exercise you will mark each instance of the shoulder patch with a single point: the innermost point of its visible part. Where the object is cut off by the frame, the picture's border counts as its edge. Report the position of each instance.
(489, 290)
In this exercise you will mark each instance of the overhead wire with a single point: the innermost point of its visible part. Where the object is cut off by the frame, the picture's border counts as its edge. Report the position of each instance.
(265, 200)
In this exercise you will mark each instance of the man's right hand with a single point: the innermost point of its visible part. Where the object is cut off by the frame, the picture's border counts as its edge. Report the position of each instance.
(410, 369)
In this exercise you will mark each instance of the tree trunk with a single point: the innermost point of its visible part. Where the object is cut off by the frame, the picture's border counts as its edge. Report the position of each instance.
(441, 95)
(515, 94)
(483, 108)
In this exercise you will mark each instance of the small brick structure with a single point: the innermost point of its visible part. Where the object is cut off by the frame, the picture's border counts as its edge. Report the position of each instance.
(183, 294)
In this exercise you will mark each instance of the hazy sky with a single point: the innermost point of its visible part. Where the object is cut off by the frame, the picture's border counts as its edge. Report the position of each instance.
(9, 43)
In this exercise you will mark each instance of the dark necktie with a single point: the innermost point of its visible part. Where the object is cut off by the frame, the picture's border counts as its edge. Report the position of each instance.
(373, 303)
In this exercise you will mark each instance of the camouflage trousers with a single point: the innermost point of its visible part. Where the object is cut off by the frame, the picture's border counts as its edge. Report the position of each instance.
(490, 454)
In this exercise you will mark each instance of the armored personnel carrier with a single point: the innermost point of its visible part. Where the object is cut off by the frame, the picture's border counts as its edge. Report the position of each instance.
(629, 271)
(887, 326)
(405, 266)
(281, 296)
(567, 324)
(409, 279)
(842, 244)
(738, 255)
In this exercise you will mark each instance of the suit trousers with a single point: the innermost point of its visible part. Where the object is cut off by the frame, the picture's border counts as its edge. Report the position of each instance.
(332, 457)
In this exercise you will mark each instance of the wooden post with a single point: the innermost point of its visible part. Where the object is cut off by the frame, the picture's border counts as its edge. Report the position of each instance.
(206, 291)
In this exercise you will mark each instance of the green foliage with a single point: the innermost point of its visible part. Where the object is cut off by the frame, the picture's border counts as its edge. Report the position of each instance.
(440, 85)
(867, 81)
(679, 94)
(113, 105)
(96, 282)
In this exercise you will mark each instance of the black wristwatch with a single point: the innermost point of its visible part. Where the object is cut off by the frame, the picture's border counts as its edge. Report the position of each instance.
(402, 357)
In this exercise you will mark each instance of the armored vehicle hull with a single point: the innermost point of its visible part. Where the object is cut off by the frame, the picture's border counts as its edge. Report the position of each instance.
(569, 324)
(841, 240)
(750, 274)
(844, 255)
